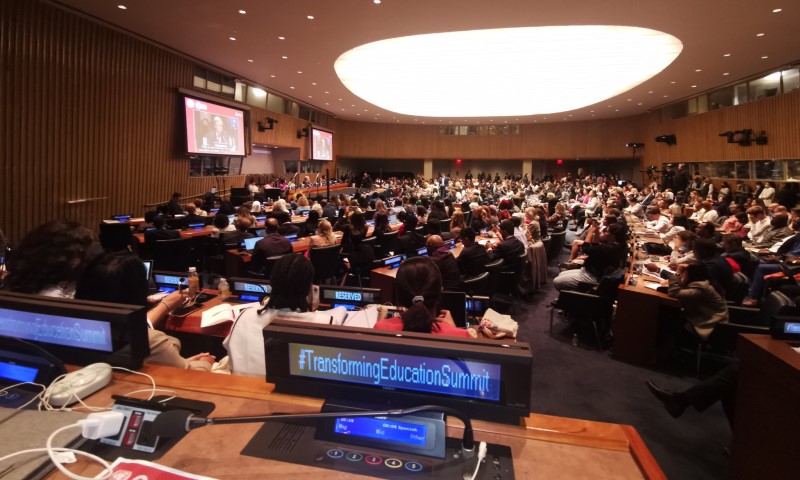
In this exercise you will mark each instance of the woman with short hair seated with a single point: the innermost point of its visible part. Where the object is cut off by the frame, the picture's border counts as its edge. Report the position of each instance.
(418, 288)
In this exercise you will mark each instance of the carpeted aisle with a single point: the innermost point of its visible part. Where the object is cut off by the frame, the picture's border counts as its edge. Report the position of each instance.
(583, 382)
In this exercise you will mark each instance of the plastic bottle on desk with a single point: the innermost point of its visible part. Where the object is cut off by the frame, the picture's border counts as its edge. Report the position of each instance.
(193, 281)
(224, 288)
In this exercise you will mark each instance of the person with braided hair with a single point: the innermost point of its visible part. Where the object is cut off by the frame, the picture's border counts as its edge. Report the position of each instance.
(417, 288)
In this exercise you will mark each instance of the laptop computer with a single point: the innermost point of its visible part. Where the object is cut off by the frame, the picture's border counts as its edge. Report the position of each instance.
(250, 243)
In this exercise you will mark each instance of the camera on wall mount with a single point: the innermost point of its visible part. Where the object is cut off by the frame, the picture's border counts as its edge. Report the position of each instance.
(302, 133)
(745, 137)
(266, 124)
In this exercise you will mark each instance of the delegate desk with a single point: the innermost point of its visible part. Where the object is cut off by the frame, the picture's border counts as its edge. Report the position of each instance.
(542, 446)
(767, 398)
(185, 233)
(636, 319)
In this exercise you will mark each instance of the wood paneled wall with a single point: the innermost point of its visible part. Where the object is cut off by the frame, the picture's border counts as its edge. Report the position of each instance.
(699, 141)
(87, 112)
(595, 139)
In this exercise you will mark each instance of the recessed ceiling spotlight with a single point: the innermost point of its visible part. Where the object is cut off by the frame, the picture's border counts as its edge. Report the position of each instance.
(571, 114)
(650, 91)
(281, 38)
(378, 2)
(340, 99)
(665, 96)
(727, 55)
(314, 83)
(764, 57)
(122, 7)
(232, 38)
(250, 60)
(672, 82)
(694, 86)
(639, 103)
(292, 88)
(777, 10)
(352, 105)
(272, 76)
(759, 34)
(284, 57)
(299, 71)
(327, 103)
(617, 110)
(327, 91)
(242, 11)
(366, 110)
(726, 73)
(358, 114)
(310, 17)
(698, 70)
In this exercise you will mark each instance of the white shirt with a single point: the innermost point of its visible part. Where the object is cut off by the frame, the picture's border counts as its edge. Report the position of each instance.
(758, 229)
(710, 216)
(661, 225)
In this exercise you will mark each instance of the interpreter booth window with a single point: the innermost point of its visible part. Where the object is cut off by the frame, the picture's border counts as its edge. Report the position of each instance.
(769, 169)
(724, 97)
(718, 169)
(791, 79)
(793, 169)
(764, 87)
(205, 166)
(743, 170)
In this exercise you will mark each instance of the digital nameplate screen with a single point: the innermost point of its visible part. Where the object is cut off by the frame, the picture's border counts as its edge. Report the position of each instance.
(444, 376)
(17, 373)
(167, 279)
(57, 330)
(382, 428)
(791, 327)
(258, 288)
(351, 296)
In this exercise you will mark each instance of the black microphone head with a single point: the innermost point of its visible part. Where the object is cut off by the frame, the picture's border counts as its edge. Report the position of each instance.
(171, 423)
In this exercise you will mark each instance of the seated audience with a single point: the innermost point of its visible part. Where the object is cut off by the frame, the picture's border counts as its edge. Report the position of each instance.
(50, 259)
(510, 249)
(473, 258)
(120, 278)
(324, 236)
(446, 262)
(703, 307)
(418, 288)
(271, 245)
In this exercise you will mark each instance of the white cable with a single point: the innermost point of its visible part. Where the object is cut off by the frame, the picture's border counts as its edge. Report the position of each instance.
(481, 456)
(52, 454)
(152, 380)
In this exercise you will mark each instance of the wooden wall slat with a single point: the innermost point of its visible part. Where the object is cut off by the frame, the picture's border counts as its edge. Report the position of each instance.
(87, 112)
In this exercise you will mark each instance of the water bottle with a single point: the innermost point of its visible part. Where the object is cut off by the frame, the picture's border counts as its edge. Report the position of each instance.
(224, 288)
(193, 281)
(575, 340)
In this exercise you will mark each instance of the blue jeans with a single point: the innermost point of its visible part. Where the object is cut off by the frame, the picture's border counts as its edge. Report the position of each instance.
(758, 286)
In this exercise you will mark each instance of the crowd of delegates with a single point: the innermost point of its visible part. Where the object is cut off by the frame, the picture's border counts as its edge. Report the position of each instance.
(708, 229)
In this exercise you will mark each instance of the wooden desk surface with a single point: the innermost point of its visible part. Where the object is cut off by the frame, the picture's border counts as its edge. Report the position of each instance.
(184, 233)
(543, 446)
(766, 420)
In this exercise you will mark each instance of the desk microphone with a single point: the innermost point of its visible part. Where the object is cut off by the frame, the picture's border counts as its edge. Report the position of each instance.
(176, 422)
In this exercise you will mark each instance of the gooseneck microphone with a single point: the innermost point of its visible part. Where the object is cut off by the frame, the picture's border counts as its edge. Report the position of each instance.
(176, 422)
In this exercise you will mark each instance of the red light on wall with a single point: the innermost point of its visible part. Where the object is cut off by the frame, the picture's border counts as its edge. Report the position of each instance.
(458, 161)
(559, 161)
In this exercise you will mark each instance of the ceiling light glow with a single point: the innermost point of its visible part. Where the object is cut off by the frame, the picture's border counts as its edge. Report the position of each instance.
(430, 75)
(122, 7)
(242, 11)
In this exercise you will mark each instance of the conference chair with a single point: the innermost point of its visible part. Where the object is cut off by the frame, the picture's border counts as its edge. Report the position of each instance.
(115, 237)
(478, 285)
(174, 255)
(385, 244)
(264, 272)
(556, 246)
(446, 224)
(594, 307)
(327, 263)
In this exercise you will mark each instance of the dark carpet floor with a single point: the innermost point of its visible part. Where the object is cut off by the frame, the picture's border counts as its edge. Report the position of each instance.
(584, 382)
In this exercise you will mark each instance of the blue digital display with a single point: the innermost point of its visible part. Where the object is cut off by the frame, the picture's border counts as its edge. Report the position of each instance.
(347, 306)
(291, 238)
(385, 429)
(231, 218)
(56, 329)
(393, 261)
(345, 295)
(168, 279)
(250, 243)
(791, 327)
(250, 298)
(122, 218)
(446, 376)
(392, 219)
(422, 251)
(17, 373)
(197, 226)
(166, 289)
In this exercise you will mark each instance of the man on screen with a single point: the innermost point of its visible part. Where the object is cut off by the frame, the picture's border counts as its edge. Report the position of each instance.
(220, 139)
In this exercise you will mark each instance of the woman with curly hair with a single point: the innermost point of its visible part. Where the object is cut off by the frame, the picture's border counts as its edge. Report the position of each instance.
(50, 259)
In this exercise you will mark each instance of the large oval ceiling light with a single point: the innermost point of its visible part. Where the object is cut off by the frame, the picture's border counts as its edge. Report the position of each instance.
(502, 72)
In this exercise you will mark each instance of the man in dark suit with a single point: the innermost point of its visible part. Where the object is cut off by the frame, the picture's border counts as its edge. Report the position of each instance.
(160, 232)
(191, 216)
(719, 270)
(444, 259)
(682, 179)
(473, 258)
(174, 206)
(410, 240)
(328, 210)
(510, 249)
(271, 245)
(236, 237)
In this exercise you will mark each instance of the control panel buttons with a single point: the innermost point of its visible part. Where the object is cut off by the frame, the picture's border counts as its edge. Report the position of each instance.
(335, 453)
(354, 456)
(393, 463)
(373, 460)
(413, 467)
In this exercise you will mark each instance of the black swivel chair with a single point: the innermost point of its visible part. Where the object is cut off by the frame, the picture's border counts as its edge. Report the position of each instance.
(115, 237)
(387, 244)
(327, 263)
(175, 255)
(593, 307)
(556, 246)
